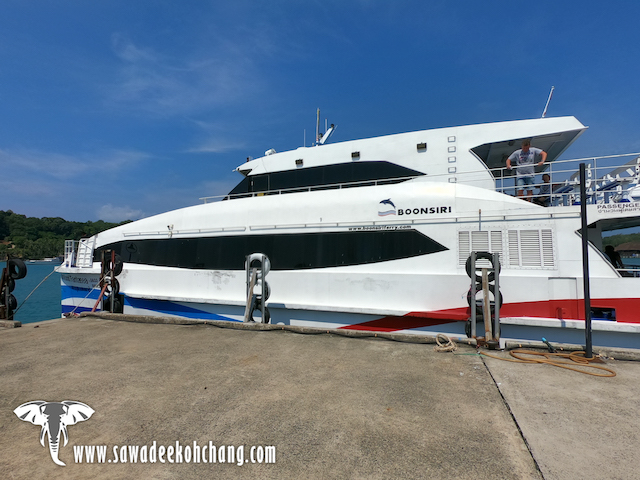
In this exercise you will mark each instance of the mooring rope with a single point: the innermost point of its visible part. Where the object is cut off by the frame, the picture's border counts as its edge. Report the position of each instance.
(577, 359)
(55, 269)
(73, 312)
(445, 344)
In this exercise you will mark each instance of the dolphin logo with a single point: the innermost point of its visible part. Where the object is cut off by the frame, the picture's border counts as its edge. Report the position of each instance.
(383, 210)
(54, 417)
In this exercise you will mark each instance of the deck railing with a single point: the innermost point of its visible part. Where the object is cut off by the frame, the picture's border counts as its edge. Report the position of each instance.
(610, 179)
(78, 253)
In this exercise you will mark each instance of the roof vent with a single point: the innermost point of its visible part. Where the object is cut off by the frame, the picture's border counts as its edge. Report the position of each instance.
(355, 155)
(299, 162)
(271, 151)
(422, 147)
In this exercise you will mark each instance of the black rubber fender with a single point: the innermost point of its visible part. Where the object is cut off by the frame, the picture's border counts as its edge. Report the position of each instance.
(17, 268)
(267, 315)
(485, 256)
(12, 304)
(117, 304)
(492, 304)
(257, 307)
(118, 265)
(114, 288)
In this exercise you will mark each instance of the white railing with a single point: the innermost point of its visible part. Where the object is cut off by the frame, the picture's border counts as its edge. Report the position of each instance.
(311, 188)
(78, 253)
(629, 272)
(69, 253)
(610, 179)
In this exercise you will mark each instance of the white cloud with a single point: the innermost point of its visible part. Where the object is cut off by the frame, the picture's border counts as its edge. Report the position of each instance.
(165, 85)
(25, 163)
(110, 213)
(216, 145)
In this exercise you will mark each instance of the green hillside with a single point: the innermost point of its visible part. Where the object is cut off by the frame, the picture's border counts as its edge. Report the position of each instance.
(36, 238)
(616, 240)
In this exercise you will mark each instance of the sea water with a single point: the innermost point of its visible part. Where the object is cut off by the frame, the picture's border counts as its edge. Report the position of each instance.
(44, 303)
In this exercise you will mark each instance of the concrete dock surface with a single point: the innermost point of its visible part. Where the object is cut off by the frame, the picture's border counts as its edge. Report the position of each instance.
(333, 407)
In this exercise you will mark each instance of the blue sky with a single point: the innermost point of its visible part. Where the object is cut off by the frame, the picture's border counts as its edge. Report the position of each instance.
(122, 109)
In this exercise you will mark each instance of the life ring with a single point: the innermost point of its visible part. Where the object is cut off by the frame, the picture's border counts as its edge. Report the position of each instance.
(492, 304)
(479, 256)
(17, 268)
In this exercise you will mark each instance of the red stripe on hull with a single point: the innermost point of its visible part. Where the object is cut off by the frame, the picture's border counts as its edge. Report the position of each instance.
(412, 320)
(627, 311)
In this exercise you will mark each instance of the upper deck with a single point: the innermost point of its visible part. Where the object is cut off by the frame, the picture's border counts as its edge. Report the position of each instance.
(473, 155)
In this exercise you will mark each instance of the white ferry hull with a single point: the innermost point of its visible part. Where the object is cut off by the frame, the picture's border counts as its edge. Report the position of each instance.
(450, 321)
(387, 257)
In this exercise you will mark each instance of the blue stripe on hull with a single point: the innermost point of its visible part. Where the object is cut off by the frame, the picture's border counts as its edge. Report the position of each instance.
(78, 292)
(170, 308)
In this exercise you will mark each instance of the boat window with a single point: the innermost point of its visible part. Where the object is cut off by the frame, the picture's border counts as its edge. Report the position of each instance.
(323, 176)
(286, 251)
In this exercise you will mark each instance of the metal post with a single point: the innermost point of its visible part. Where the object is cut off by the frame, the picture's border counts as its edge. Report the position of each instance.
(4, 283)
(112, 300)
(496, 297)
(472, 305)
(263, 289)
(585, 262)
(486, 307)
(252, 273)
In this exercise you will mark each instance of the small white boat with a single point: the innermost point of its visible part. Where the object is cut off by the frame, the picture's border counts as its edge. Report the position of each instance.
(374, 234)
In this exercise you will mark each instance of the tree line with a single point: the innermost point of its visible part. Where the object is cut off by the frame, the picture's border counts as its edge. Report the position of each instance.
(619, 239)
(37, 238)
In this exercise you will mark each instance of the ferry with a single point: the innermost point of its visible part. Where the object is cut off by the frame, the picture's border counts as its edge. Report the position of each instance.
(376, 234)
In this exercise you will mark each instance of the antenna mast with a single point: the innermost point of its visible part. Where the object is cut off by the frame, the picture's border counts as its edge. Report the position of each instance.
(321, 138)
(544, 113)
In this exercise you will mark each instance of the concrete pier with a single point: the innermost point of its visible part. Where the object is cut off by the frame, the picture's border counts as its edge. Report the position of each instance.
(333, 407)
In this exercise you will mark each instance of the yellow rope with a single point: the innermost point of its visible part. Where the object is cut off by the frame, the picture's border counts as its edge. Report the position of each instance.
(577, 359)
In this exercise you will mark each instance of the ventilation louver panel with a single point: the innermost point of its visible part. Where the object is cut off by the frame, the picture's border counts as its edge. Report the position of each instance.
(479, 241)
(530, 248)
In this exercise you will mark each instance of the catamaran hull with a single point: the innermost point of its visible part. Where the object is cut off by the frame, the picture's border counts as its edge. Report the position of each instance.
(376, 234)
(556, 319)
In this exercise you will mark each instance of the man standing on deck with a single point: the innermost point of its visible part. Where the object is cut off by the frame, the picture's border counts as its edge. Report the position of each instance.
(525, 160)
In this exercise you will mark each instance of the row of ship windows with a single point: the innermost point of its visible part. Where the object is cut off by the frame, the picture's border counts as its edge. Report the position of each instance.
(285, 251)
(323, 176)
